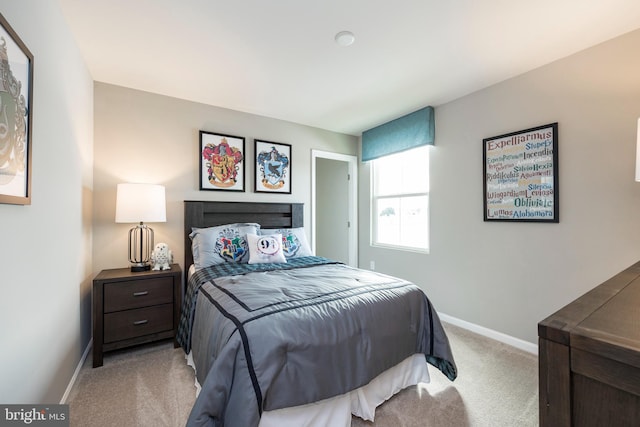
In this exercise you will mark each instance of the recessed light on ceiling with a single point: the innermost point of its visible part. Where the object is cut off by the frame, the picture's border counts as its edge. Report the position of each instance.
(345, 38)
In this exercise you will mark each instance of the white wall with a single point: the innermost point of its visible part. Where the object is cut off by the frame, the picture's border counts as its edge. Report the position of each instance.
(145, 137)
(45, 248)
(509, 276)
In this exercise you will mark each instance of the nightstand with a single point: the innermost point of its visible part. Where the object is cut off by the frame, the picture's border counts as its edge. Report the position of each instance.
(134, 308)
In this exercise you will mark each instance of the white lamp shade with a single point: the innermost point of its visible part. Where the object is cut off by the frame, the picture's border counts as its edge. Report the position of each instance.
(638, 153)
(141, 203)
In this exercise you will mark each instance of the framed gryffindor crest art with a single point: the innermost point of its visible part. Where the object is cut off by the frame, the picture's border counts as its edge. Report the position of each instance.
(221, 162)
(272, 167)
(16, 94)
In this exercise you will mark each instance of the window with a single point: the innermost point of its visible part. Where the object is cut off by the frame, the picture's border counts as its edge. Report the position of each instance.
(400, 200)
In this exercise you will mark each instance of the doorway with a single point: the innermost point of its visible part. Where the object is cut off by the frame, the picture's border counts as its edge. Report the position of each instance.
(334, 215)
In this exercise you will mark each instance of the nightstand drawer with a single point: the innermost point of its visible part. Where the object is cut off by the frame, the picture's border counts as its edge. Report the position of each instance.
(137, 293)
(135, 323)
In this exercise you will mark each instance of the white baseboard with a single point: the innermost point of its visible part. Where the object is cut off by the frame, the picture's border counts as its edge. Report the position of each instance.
(65, 396)
(490, 333)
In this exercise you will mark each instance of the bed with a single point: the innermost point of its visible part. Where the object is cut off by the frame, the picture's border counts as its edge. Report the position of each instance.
(302, 340)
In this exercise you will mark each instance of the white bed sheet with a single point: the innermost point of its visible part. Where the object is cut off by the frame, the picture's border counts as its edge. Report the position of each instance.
(361, 402)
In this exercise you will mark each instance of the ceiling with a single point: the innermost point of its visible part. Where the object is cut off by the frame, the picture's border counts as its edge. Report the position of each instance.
(278, 58)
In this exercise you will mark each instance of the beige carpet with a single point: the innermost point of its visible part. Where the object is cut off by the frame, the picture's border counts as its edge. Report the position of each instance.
(497, 385)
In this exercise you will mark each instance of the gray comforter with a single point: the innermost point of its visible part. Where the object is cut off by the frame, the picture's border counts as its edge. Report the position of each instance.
(267, 339)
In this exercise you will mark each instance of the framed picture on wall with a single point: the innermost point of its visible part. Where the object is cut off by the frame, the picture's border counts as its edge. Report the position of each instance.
(222, 162)
(272, 167)
(521, 175)
(16, 100)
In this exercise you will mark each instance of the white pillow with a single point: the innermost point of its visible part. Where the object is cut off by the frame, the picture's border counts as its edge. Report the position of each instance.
(294, 241)
(263, 249)
(224, 243)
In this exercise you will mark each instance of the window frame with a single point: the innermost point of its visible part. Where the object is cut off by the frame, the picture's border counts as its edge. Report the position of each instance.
(374, 198)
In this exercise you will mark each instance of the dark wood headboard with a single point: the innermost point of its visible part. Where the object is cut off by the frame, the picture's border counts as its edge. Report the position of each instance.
(210, 214)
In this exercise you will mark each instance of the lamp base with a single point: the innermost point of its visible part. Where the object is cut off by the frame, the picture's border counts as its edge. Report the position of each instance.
(136, 268)
(140, 244)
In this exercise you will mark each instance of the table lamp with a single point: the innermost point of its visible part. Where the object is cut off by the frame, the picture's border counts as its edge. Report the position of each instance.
(140, 203)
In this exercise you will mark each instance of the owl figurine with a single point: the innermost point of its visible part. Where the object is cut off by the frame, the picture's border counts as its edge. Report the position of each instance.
(161, 257)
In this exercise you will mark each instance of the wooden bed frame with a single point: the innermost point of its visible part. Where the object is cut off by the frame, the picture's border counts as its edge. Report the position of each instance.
(203, 214)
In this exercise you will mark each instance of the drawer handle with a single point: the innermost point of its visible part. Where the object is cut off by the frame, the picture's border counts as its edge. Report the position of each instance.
(140, 322)
(139, 294)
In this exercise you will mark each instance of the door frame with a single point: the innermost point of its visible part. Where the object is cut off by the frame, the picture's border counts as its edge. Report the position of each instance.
(352, 162)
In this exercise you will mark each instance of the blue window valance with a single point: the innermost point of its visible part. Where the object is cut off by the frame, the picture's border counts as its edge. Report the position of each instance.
(410, 131)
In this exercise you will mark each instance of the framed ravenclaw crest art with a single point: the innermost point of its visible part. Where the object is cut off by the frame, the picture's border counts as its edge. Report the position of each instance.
(16, 95)
(221, 162)
(272, 167)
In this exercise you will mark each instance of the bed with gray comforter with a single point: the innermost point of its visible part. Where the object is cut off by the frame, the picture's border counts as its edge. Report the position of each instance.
(270, 336)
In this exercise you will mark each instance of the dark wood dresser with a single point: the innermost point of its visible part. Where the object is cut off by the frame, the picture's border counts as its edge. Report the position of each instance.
(134, 308)
(589, 357)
